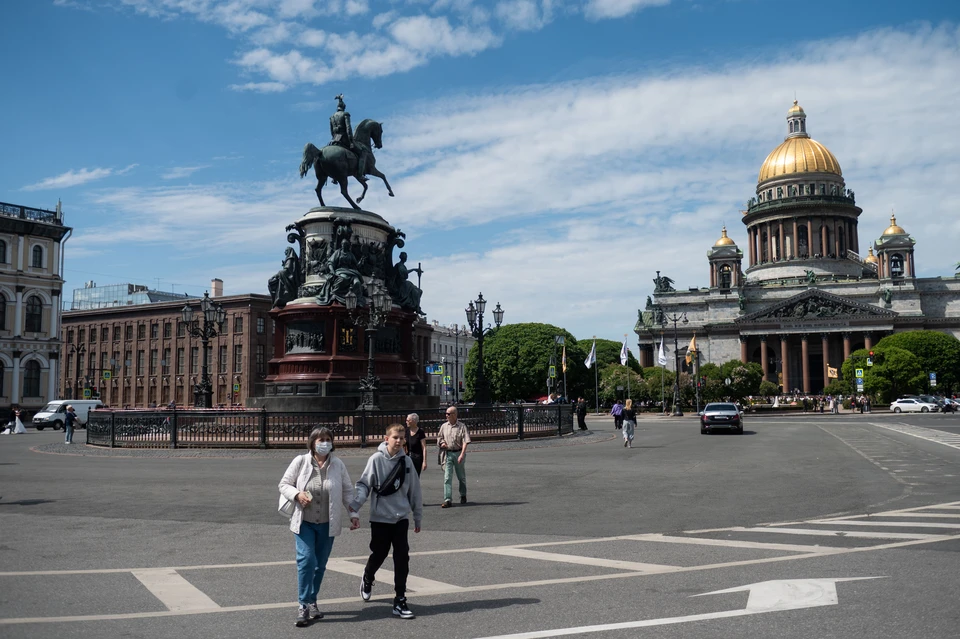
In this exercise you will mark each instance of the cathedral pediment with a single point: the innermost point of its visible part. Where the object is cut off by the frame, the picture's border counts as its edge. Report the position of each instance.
(815, 305)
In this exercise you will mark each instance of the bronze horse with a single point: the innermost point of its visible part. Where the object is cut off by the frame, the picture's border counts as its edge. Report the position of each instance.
(339, 163)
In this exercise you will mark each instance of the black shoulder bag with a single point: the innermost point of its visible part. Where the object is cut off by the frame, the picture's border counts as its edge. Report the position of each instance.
(394, 479)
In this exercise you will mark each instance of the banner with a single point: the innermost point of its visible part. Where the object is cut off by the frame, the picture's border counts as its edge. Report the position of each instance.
(661, 356)
(592, 357)
(692, 349)
(563, 360)
(832, 372)
(624, 353)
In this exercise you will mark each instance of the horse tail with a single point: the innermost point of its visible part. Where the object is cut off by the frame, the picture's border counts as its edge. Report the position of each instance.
(310, 155)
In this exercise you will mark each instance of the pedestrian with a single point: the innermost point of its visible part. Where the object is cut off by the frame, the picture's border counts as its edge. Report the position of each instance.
(629, 424)
(395, 489)
(18, 428)
(582, 414)
(452, 440)
(416, 445)
(69, 422)
(806, 404)
(317, 483)
(617, 412)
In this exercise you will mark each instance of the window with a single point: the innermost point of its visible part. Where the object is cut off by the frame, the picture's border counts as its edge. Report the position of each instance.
(80, 367)
(180, 361)
(181, 329)
(138, 395)
(3, 314)
(238, 324)
(222, 359)
(35, 317)
(237, 358)
(896, 265)
(116, 333)
(194, 359)
(69, 365)
(141, 331)
(152, 396)
(153, 361)
(93, 336)
(3, 252)
(165, 362)
(103, 363)
(178, 395)
(167, 329)
(70, 337)
(31, 379)
(82, 335)
(37, 262)
(126, 396)
(127, 361)
(725, 276)
(154, 330)
(128, 332)
(779, 192)
(260, 326)
(261, 364)
(140, 362)
(117, 362)
(104, 334)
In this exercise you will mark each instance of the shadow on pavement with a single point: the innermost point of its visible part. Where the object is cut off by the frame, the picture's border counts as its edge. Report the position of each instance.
(384, 608)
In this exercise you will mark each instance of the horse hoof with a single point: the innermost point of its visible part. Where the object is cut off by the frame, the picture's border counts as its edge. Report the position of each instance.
(391, 193)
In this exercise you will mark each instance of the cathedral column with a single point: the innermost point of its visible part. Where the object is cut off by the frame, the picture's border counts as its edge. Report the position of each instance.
(846, 346)
(825, 347)
(793, 244)
(764, 357)
(836, 238)
(750, 246)
(809, 237)
(805, 362)
(824, 236)
(867, 341)
(743, 349)
(782, 253)
(785, 362)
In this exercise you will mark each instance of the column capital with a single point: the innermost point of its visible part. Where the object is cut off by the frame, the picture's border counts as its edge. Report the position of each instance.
(804, 337)
(743, 338)
(784, 337)
(763, 339)
(847, 335)
(824, 336)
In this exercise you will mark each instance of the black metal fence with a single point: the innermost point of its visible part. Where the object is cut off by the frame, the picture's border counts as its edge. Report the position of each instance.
(262, 429)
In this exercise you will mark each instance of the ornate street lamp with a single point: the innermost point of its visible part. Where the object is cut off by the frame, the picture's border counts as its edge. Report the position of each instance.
(214, 318)
(474, 313)
(664, 320)
(371, 317)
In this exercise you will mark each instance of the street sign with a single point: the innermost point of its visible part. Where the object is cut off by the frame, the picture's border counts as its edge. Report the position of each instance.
(87, 393)
(107, 374)
(859, 385)
(727, 381)
(859, 373)
(619, 388)
(446, 379)
(869, 361)
(236, 388)
(933, 380)
(553, 371)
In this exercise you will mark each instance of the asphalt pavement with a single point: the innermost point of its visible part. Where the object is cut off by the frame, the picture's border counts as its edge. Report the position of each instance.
(811, 525)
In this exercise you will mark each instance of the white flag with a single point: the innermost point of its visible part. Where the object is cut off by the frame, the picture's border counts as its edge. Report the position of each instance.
(624, 353)
(661, 357)
(592, 357)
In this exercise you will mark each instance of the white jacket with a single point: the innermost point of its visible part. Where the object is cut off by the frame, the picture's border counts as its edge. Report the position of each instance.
(298, 476)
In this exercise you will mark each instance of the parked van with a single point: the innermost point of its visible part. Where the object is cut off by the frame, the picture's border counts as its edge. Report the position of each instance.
(55, 413)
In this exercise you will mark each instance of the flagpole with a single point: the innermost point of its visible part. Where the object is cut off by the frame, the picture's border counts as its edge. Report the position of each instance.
(596, 377)
(628, 366)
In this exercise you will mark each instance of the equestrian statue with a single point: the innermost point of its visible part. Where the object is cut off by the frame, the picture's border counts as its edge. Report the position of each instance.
(348, 154)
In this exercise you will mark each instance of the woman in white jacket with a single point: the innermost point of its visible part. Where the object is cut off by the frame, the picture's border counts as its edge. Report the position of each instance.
(317, 483)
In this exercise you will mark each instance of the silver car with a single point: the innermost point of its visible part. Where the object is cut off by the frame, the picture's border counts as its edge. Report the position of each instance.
(721, 416)
(913, 405)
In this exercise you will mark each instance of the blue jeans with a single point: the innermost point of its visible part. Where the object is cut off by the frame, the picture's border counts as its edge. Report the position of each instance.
(314, 544)
(450, 467)
(68, 434)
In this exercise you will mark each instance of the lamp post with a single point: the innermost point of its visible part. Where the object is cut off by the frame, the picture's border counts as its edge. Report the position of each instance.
(474, 313)
(457, 332)
(675, 318)
(371, 317)
(78, 350)
(214, 318)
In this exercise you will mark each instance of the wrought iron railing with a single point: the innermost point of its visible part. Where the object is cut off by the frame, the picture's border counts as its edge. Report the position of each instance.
(754, 206)
(27, 213)
(264, 429)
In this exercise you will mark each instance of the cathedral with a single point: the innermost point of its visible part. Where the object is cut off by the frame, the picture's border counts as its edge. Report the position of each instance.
(808, 296)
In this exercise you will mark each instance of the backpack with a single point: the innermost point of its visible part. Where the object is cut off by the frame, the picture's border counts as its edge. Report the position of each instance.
(394, 479)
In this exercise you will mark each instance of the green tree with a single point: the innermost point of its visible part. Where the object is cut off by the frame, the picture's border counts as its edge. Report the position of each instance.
(516, 359)
(615, 375)
(895, 372)
(768, 389)
(744, 378)
(938, 353)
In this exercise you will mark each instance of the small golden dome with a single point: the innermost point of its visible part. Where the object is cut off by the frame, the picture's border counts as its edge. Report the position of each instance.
(871, 258)
(894, 229)
(799, 155)
(796, 108)
(724, 240)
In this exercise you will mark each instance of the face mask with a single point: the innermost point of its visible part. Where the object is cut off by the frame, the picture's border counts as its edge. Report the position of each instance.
(323, 448)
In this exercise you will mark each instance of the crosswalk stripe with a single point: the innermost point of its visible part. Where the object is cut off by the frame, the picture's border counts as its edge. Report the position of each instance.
(892, 524)
(732, 543)
(419, 585)
(174, 591)
(525, 553)
(836, 533)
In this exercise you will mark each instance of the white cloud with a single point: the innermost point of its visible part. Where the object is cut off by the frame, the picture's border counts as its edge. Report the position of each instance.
(178, 172)
(521, 15)
(75, 178)
(603, 9)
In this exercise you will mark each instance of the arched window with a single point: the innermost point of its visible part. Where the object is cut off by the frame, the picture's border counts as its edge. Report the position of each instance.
(34, 315)
(3, 314)
(37, 257)
(725, 276)
(3, 252)
(779, 192)
(31, 379)
(896, 265)
(791, 126)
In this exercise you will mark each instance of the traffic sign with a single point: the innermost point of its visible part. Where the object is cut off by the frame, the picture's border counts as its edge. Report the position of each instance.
(933, 380)
(859, 373)
(107, 374)
(446, 379)
(553, 371)
(869, 361)
(87, 393)
(236, 388)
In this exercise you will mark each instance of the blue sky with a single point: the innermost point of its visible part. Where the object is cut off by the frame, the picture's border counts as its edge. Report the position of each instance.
(550, 154)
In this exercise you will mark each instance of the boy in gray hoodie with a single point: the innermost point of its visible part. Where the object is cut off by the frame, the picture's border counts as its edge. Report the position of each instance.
(394, 489)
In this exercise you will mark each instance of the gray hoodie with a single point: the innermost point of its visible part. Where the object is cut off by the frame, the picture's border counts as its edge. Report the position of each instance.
(392, 508)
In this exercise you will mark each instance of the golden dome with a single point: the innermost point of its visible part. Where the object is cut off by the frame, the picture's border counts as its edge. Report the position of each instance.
(799, 155)
(871, 258)
(796, 108)
(893, 229)
(724, 240)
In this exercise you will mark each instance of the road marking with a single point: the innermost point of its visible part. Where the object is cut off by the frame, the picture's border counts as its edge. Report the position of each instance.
(893, 524)
(732, 543)
(935, 436)
(765, 597)
(416, 584)
(836, 533)
(175, 592)
(580, 560)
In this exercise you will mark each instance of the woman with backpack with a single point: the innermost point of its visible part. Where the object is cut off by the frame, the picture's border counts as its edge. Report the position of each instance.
(316, 483)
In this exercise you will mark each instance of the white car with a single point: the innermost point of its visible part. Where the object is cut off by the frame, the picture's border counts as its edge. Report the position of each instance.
(912, 405)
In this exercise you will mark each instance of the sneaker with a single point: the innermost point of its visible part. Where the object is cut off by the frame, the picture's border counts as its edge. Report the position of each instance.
(313, 612)
(303, 616)
(366, 588)
(463, 499)
(446, 504)
(400, 609)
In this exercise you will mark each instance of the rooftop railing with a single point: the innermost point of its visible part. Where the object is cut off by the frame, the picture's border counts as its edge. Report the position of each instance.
(27, 213)
(755, 206)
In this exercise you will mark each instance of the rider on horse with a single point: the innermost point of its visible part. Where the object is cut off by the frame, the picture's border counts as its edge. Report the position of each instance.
(341, 134)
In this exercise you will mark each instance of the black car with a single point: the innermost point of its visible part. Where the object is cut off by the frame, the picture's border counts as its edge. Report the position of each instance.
(721, 416)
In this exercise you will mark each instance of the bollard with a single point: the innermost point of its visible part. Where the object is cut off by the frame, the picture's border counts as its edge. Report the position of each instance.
(173, 429)
(520, 413)
(263, 428)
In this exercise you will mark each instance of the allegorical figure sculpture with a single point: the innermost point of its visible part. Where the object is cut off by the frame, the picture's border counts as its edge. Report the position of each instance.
(348, 154)
(284, 285)
(344, 276)
(404, 292)
(662, 284)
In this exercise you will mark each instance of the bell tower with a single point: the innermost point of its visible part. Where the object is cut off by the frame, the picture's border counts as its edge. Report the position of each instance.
(725, 261)
(895, 253)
